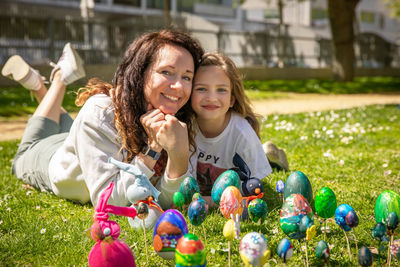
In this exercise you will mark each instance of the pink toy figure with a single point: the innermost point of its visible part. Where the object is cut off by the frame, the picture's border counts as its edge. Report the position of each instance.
(108, 250)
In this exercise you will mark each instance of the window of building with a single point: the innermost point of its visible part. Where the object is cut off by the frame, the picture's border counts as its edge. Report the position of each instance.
(271, 14)
(367, 17)
(23, 28)
(319, 14)
(381, 21)
(135, 3)
(156, 4)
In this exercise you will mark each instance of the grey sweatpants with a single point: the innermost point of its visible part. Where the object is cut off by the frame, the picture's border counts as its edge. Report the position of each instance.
(41, 139)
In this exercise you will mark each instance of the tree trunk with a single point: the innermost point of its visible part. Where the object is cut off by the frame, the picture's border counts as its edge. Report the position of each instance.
(342, 18)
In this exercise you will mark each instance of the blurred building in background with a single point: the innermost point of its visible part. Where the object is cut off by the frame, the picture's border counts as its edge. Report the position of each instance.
(102, 29)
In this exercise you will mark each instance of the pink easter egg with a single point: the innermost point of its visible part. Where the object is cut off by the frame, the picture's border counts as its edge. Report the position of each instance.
(231, 202)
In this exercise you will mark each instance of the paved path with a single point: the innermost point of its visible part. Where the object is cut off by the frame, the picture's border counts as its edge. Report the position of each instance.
(295, 103)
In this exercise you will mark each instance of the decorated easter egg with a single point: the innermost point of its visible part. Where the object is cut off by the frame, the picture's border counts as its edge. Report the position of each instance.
(392, 221)
(364, 256)
(196, 196)
(188, 187)
(197, 211)
(340, 216)
(190, 252)
(351, 219)
(227, 178)
(322, 250)
(325, 203)
(258, 210)
(280, 186)
(170, 227)
(305, 223)
(231, 202)
(285, 249)
(142, 210)
(298, 183)
(254, 250)
(294, 208)
(178, 199)
(388, 201)
(229, 230)
(153, 213)
(395, 248)
(379, 231)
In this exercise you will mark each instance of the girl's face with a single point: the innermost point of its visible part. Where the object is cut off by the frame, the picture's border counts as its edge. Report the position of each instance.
(168, 82)
(212, 94)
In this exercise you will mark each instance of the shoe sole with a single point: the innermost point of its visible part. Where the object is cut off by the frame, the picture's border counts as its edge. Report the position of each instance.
(15, 68)
(79, 72)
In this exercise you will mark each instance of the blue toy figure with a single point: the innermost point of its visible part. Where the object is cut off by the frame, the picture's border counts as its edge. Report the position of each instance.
(141, 191)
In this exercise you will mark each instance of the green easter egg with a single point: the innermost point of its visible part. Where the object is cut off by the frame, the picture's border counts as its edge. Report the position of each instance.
(325, 203)
(293, 210)
(258, 210)
(388, 201)
(322, 250)
(227, 178)
(188, 188)
(178, 199)
(298, 183)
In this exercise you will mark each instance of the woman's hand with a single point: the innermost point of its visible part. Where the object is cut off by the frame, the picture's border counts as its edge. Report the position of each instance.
(151, 121)
(173, 135)
(173, 138)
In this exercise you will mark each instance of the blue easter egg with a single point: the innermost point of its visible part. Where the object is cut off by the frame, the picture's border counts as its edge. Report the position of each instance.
(365, 256)
(227, 178)
(188, 188)
(285, 249)
(197, 211)
(298, 183)
(340, 216)
(280, 186)
(170, 227)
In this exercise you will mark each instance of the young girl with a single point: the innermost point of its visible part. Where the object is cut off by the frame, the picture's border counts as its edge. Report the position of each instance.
(225, 124)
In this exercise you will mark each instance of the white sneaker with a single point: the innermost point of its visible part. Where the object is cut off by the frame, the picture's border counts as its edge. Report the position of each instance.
(70, 64)
(276, 157)
(18, 70)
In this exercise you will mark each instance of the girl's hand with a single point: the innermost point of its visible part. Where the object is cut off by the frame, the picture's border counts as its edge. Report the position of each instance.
(151, 121)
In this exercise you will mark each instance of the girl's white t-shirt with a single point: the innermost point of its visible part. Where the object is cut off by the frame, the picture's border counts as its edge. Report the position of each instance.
(214, 155)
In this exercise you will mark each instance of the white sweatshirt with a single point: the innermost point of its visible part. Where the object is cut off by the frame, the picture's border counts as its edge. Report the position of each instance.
(79, 170)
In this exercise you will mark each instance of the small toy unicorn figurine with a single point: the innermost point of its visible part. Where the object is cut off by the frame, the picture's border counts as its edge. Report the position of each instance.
(141, 191)
(109, 250)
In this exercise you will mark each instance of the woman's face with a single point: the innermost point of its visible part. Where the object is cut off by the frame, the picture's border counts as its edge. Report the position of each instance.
(168, 82)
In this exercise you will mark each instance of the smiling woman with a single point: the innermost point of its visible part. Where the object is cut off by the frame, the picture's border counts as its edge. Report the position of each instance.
(142, 115)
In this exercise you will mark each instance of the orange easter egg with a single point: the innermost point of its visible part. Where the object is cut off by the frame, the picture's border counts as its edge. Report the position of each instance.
(231, 202)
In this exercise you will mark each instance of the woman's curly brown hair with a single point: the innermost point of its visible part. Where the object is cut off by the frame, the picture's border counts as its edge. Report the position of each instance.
(128, 98)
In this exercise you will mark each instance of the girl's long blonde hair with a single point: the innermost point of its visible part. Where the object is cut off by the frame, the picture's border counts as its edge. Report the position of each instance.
(242, 102)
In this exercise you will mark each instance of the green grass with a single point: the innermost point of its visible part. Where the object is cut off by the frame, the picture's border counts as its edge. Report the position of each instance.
(355, 152)
(15, 101)
(358, 86)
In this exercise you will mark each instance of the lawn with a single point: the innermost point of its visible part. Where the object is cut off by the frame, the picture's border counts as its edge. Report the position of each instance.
(17, 102)
(355, 152)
